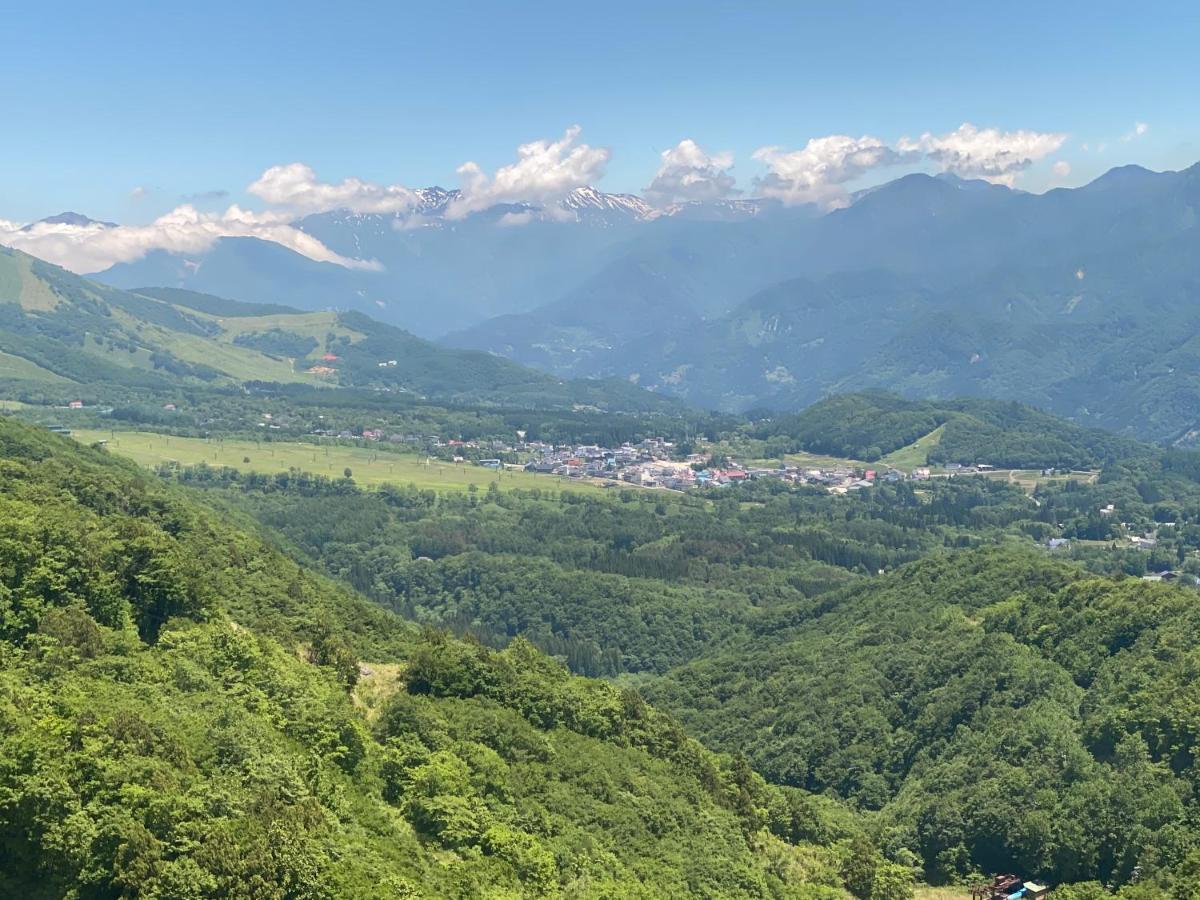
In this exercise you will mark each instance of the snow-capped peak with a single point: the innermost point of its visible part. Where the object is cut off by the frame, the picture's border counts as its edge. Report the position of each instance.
(588, 198)
(432, 200)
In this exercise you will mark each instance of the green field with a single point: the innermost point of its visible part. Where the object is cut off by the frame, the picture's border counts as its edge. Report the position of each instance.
(820, 461)
(1030, 479)
(240, 363)
(315, 325)
(905, 459)
(915, 454)
(369, 467)
(18, 367)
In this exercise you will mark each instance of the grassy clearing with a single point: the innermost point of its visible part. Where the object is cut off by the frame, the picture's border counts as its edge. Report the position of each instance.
(915, 454)
(369, 467)
(20, 368)
(1029, 479)
(315, 325)
(817, 461)
(240, 363)
(376, 684)
(925, 892)
(905, 459)
(33, 293)
(130, 359)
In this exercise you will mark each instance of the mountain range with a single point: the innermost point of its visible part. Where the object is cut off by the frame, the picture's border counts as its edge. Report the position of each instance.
(436, 274)
(65, 334)
(1078, 300)
(1081, 301)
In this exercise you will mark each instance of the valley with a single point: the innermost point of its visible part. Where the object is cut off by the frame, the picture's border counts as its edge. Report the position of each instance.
(485, 453)
(467, 663)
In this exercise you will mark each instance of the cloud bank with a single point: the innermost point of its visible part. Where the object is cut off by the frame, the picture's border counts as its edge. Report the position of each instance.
(295, 188)
(987, 153)
(817, 172)
(545, 172)
(95, 247)
(687, 173)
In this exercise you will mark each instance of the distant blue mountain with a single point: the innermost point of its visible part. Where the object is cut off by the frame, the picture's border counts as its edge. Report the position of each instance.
(441, 275)
(1083, 300)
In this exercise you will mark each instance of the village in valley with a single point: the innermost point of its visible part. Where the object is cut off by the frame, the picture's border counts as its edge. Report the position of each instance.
(658, 463)
(653, 463)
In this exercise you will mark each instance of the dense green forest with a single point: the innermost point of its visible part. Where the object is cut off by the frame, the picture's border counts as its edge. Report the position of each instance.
(636, 582)
(914, 650)
(1000, 709)
(184, 712)
(644, 581)
(226, 684)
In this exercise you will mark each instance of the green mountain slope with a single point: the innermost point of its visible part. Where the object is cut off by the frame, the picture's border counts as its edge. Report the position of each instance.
(872, 424)
(914, 648)
(69, 329)
(1001, 710)
(183, 713)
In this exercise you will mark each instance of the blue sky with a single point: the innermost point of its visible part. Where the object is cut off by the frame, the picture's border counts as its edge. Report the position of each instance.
(106, 98)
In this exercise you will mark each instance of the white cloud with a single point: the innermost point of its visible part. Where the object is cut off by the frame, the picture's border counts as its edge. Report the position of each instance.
(687, 172)
(545, 171)
(295, 187)
(817, 172)
(141, 192)
(987, 153)
(1139, 129)
(1062, 168)
(290, 190)
(92, 248)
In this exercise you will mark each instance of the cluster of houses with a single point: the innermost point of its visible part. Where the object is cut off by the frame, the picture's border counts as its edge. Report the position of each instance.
(652, 463)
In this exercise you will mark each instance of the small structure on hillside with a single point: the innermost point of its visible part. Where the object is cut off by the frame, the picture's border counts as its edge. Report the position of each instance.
(1009, 887)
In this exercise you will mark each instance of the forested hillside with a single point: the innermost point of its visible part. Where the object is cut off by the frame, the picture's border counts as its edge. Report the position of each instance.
(912, 650)
(637, 582)
(64, 337)
(870, 425)
(904, 681)
(184, 712)
(1000, 710)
